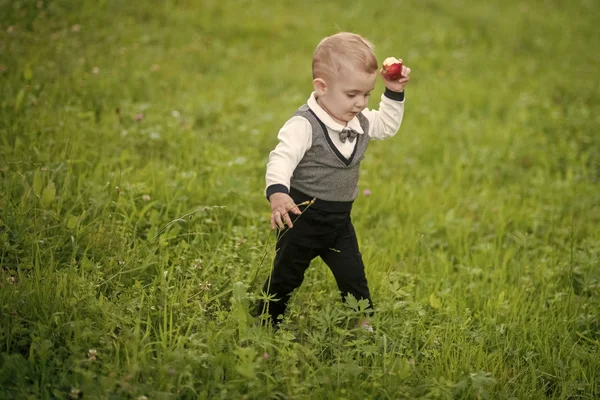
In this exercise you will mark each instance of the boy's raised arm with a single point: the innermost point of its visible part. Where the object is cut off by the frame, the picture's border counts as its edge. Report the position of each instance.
(385, 122)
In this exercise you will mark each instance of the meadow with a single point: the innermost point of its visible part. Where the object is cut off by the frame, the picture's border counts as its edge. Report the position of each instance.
(134, 233)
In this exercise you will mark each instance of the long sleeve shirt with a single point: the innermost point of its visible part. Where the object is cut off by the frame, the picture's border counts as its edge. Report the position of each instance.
(295, 137)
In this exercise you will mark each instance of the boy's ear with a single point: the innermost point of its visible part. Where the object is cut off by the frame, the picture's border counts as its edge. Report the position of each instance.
(320, 86)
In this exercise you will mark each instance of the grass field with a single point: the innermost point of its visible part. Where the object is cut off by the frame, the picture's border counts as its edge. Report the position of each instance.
(134, 235)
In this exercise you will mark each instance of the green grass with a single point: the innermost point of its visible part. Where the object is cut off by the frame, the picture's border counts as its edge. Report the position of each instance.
(481, 236)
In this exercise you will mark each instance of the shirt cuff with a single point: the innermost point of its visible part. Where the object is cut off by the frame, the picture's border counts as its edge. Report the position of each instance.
(276, 188)
(390, 94)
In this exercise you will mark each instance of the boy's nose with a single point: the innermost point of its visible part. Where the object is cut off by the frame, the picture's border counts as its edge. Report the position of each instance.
(360, 102)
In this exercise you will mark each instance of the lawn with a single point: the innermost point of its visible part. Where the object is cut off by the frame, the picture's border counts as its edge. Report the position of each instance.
(134, 233)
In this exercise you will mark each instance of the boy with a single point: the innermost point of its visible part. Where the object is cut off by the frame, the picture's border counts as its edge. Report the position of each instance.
(318, 156)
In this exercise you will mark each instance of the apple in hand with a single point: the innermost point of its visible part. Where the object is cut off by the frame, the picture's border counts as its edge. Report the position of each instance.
(392, 68)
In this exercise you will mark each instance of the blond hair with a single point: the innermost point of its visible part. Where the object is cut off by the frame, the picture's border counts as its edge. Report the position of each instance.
(343, 51)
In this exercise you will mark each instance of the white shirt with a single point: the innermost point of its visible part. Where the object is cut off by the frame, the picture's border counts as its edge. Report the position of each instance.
(295, 137)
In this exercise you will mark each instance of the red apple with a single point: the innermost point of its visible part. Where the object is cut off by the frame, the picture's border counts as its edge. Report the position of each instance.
(392, 68)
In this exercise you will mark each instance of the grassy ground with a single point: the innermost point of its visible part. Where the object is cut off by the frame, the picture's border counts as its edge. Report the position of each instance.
(134, 233)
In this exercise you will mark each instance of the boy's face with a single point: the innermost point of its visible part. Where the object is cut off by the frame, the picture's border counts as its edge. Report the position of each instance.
(345, 95)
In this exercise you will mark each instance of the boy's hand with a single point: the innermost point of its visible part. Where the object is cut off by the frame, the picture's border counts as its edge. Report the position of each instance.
(397, 86)
(281, 203)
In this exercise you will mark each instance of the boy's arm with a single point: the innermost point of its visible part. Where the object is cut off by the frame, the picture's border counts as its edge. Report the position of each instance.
(385, 122)
(295, 138)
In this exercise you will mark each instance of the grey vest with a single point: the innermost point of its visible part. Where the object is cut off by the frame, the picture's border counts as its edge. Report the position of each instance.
(324, 172)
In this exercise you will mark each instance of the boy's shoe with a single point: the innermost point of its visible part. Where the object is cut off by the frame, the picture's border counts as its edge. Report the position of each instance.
(364, 325)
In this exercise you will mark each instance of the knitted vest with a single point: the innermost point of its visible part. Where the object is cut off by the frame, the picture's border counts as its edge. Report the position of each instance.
(324, 172)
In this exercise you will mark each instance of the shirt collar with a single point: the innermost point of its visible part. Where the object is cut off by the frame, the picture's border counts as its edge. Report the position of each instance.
(328, 121)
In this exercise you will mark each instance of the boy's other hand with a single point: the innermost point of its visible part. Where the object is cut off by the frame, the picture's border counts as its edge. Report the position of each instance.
(281, 204)
(398, 85)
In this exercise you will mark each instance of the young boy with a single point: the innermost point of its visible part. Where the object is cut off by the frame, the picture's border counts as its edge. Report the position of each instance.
(318, 156)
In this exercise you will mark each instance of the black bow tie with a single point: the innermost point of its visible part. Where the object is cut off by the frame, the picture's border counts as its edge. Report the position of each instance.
(349, 134)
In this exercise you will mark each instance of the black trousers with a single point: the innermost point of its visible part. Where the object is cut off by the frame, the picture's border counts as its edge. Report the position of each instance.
(329, 235)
